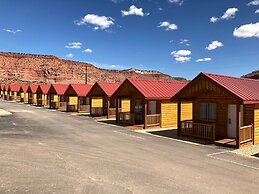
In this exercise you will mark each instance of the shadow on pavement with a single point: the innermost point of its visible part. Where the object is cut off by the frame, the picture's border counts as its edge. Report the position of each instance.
(173, 134)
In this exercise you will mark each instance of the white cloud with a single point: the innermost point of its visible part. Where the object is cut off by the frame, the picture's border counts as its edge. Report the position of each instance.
(247, 31)
(12, 31)
(214, 19)
(179, 2)
(185, 42)
(70, 55)
(168, 25)
(257, 11)
(160, 9)
(87, 51)
(100, 22)
(203, 59)
(254, 2)
(182, 55)
(214, 44)
(74, 45)
(133, 10)
(230, 13)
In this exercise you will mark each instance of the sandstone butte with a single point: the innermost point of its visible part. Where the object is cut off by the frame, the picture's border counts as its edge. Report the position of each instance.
(30, 68)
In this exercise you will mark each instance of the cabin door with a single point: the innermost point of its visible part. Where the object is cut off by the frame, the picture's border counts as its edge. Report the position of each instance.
(151, 107)
(232, 110)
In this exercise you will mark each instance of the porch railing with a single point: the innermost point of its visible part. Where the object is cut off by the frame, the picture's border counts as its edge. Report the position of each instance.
(84, 108)
(62, 106)
(153, 120)
(201, 130)
(246, 134)
(97, 111)
(112, 111)
(126, 118)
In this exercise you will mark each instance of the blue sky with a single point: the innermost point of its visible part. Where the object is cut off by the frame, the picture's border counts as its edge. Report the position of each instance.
(177, 37)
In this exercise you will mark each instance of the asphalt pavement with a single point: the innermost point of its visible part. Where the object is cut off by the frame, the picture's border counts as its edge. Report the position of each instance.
(46, 151)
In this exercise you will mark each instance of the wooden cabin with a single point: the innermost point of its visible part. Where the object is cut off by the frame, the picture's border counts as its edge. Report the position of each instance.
(77, 100)
(24, 93)
(57, 99)
(100, 99)
(42, 95)
(148, 103)
(6, 92)
(32, 94)
(14, 91)
(2, 91)
(225, 109)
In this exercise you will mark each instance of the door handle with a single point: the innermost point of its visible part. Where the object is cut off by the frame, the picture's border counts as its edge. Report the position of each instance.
(229, 121)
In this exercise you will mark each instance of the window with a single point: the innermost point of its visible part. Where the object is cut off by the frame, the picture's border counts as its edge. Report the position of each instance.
(138, 106)
(208, 112)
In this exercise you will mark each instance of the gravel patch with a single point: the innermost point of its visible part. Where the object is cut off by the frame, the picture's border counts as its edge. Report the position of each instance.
(251, 151)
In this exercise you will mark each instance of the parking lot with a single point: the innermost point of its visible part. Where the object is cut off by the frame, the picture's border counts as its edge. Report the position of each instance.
(46, 151)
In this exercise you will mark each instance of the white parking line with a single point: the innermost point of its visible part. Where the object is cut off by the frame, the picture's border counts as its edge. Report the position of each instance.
(213, 155)
(126, 134)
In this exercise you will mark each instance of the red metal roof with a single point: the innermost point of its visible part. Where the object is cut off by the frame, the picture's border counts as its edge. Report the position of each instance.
(156, 89)
(33, 88)
(245, 89)
(25, 88)
(44, 88)
(81, 89)
(6, 87)
(108, 88)
(15, 88)
(2, 87)
(60, 88)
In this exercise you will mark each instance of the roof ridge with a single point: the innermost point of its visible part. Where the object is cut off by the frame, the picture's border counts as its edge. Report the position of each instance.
(169, 81)
(228, 76)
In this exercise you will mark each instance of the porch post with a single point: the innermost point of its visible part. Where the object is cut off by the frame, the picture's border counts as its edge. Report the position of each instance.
(108, 108)
(49, 100)
(179, 117)
(145, 114)
(90, 102)
(117, 109)
(238, 115)
(78, 104)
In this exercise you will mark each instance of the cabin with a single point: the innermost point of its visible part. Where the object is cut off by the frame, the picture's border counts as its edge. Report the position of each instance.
(32, 94)
(225, 110)
(147, 103)
(2, 91)
(100, 99)
(14, 91)
(77, 100)
(57, 98)
(24, 93)
(42, 95)
(6, 92)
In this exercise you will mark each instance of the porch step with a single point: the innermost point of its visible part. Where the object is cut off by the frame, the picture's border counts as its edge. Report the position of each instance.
(226, 142)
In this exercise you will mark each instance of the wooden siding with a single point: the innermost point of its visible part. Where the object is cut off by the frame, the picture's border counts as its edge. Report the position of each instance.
(55, 98)
(97, 102)
(34, 98)
(73, 100)
(256, 124)
(125, 105)
(248, 114)
(168, 114)
(186, 111)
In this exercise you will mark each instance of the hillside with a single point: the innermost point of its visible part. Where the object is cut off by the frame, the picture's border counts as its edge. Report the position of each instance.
(253, 75)
(30, 68)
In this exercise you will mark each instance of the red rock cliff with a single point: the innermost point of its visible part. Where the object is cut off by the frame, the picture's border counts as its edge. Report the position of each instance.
(28, 68)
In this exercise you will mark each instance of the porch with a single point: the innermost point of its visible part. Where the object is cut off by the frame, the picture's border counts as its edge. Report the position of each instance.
(138, 112)
(208, 131)
(102, 107)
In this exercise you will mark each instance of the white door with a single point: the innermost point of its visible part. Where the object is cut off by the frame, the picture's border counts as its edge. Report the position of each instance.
(151, 107)
(232, 109)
